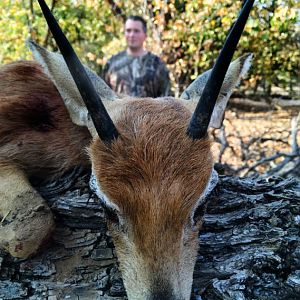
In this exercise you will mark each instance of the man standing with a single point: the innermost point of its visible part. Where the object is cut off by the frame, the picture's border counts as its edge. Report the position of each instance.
(136, 71)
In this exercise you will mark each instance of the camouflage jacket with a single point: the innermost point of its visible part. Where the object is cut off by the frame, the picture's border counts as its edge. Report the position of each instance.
(143, 76)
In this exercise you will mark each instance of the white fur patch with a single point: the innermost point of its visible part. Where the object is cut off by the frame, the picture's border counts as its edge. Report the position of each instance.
(95, 187)
(213, 181)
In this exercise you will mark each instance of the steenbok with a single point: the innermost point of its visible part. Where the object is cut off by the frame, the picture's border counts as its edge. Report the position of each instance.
(151, 158)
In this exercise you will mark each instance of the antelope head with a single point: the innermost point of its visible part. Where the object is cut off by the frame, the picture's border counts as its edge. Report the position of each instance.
(152, 161)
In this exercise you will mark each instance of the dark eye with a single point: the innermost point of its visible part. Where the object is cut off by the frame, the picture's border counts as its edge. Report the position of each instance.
(111, 214)
(199, 213)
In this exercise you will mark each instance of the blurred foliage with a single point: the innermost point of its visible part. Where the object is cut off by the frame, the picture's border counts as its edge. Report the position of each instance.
(186, 34)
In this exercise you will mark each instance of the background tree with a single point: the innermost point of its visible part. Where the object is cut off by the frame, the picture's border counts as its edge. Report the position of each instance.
(187, 34)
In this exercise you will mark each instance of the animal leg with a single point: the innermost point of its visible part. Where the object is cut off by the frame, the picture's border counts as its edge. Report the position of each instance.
(25, 218)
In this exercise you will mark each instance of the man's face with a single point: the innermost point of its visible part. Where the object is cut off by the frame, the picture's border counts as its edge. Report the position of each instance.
(134, 34)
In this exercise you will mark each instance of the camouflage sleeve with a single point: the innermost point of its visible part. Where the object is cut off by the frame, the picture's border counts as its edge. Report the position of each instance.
(163, 80)
(105, 73)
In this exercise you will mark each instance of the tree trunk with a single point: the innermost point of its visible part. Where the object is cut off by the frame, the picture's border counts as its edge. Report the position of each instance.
(249, 246)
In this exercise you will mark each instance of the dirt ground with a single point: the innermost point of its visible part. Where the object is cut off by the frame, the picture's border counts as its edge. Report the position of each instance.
(262, 138)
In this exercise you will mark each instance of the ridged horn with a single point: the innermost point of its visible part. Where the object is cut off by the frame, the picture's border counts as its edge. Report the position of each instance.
(103, 123)
(199, 122)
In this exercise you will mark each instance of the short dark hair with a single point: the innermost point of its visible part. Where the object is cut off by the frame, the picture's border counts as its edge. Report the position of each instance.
(140, 19)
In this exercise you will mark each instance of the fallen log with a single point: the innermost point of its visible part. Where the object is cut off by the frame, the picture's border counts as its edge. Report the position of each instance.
(249, 245)
(245, 104)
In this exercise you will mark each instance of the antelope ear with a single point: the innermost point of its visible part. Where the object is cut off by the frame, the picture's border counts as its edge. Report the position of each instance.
(54, 65)
(237, 69)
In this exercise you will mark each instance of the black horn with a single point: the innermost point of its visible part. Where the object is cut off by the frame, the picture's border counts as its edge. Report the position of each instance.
(199, 123)
(102, 121)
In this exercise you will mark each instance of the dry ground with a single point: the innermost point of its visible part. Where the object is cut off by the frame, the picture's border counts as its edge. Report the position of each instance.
(262, 138)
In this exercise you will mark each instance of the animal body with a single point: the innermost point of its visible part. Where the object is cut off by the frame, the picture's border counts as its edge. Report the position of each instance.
(37, 139)
(151, 165)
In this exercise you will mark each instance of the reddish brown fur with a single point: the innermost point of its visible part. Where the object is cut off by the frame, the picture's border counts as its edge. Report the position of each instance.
(153, 172)
(36, 132)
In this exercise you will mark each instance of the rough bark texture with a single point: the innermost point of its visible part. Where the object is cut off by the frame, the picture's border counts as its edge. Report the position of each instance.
(249, 246)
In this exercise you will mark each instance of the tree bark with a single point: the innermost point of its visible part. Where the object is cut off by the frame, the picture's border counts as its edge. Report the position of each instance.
(249, 245)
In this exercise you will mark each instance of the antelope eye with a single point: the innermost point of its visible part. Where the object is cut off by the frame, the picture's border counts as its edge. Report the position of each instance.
(199, 213)
(111, 214)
